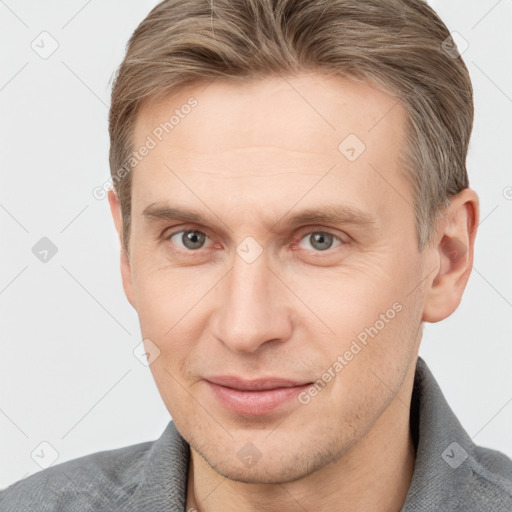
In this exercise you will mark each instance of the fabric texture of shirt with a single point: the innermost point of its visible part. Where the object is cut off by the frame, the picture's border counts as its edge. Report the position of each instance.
(451, 473)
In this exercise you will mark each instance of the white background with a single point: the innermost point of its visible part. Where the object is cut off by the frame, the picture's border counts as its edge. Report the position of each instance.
(68, 375)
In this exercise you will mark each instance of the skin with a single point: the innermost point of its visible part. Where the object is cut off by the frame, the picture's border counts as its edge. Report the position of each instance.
(248, 158)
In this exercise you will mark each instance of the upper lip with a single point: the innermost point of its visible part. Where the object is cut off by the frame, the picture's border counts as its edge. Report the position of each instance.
(259, 384)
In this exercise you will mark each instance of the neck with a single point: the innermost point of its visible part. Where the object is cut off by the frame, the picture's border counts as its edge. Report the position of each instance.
(375, 474)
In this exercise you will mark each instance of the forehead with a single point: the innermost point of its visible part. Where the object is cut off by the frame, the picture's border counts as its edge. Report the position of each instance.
(309, 112)
(289, 130)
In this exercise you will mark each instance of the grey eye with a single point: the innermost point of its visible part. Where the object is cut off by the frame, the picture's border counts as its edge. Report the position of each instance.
(189, 239)
(319, 240)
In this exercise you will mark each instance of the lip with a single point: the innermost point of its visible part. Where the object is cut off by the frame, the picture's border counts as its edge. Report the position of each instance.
(260, 384)
(254, 397)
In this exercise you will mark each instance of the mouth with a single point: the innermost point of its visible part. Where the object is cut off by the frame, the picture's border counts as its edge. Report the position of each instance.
(254, 397)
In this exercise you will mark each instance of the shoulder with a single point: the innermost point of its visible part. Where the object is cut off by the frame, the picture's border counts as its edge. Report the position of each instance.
(451, 472)
(490, 483)
(101, 481)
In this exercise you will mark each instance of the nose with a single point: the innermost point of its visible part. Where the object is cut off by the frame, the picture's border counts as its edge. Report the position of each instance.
(252, 307)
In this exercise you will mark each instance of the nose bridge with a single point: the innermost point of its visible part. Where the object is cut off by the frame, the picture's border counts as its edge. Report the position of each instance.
(252, 309)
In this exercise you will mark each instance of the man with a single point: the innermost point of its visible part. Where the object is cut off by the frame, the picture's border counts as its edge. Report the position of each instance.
(292, 203)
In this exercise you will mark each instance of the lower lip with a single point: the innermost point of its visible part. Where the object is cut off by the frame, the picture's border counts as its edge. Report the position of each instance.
(256, 403)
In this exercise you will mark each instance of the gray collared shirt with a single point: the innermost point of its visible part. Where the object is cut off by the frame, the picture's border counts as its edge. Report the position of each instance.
(451, 473)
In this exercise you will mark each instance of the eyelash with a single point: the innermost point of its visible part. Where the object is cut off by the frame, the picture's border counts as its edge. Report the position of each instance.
(302, 235)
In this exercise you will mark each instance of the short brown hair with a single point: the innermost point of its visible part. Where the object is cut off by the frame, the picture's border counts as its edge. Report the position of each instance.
(400, 46)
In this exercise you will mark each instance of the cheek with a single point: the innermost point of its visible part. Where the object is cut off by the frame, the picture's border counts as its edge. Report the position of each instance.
(170, 306)
(156, 304)
(370, 320)
(349, 297)
(369, 369)
(163, 294)
(169, 320)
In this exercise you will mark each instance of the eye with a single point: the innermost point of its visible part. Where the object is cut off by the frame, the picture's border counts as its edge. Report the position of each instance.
(319, 240)
(190, 239)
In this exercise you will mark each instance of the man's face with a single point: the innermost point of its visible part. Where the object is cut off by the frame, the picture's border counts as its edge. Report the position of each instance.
(259, 289)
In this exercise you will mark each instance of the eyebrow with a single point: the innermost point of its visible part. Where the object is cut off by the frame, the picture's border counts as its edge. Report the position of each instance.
(332, 214)
(329, 214)
(157, 211)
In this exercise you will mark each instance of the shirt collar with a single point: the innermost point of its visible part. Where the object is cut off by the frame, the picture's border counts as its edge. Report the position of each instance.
(441, 471)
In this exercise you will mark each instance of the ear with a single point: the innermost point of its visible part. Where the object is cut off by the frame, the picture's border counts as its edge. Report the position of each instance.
(126, 271)
(453, 249)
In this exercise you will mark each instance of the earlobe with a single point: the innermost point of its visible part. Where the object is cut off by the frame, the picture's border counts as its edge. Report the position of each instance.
(126, 271)
(454, 252)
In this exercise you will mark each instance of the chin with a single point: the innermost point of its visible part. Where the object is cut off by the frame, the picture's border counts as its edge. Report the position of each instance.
(278, 468)
(264, 474)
